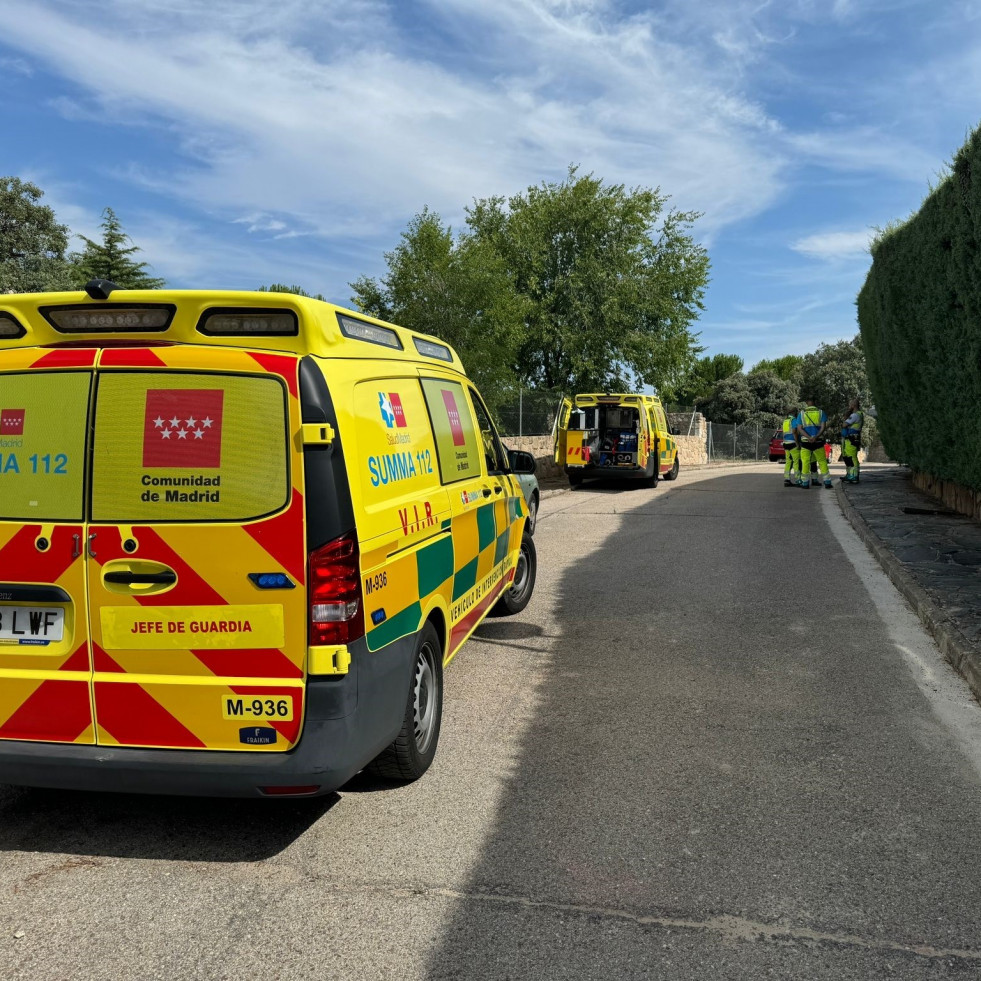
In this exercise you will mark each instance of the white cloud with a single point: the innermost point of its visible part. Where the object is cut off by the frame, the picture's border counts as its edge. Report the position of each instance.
(834, 245)
(279, 118)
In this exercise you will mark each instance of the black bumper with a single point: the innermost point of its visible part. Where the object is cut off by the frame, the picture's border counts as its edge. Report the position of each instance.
(349, 720)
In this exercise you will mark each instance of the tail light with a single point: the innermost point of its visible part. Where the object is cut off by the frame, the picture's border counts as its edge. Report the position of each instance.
(336, 608)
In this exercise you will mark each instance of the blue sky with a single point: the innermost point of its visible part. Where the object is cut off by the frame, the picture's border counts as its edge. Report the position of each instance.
(244, 142)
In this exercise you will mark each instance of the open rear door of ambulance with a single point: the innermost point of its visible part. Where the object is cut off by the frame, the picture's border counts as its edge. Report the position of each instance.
(45, 666)
(196, 552)
(560, 429)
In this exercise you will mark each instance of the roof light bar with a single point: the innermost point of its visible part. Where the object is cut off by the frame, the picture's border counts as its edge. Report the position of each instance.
(371, 333)
(430, 349)
(248, 322)
(109, 318)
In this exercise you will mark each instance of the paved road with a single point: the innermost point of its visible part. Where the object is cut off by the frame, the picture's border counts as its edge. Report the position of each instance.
(714, 746)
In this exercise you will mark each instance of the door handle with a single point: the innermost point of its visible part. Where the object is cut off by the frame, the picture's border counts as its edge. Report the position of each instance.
(137, 577)
(167, 578)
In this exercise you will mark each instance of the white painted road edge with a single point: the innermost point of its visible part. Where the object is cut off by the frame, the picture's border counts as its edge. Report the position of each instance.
(947, 692)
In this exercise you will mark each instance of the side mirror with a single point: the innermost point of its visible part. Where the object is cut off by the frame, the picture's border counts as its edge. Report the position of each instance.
(674, 431)
(521, 462)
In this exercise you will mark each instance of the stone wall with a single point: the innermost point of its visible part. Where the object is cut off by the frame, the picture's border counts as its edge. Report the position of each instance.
(541, 448)
(692, 439)
(954, 495)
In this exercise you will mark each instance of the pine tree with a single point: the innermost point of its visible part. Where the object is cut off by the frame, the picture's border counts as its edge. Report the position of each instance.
(112, 259)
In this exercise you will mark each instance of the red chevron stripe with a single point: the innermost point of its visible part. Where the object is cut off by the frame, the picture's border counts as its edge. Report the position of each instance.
(139, 357)
(20, 559)
(191, 588)
(57, 711)
(101, 661)
(69, 357)
(282, 538)
(267, 662)
(79, 661)
(284, 365)
(134, 718)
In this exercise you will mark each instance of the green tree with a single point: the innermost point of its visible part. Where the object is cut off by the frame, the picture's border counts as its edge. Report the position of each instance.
(760, 398)
(457, 289)
(698, 382)
(296, 290)
(112, 259)
(730, 401)
(772, 396)
(611, 281)
(32, 242)
(790, 367)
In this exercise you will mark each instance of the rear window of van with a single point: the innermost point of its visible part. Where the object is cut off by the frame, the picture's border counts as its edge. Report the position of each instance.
(43, 421)
(189, 447)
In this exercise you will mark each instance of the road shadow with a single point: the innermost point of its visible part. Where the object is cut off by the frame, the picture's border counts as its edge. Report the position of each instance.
(140, 826)
(703, 751)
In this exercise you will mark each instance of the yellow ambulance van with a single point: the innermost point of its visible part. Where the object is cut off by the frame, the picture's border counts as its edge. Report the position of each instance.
(605, 435)
(241, 535)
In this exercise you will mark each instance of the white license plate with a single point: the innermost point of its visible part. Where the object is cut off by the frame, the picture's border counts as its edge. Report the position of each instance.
(31, 624)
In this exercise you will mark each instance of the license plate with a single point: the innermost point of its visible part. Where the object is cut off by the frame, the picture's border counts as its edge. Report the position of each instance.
(31, 624)
(274, 708)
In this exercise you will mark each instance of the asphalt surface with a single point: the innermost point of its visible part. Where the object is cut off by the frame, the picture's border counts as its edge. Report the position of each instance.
(716, 745)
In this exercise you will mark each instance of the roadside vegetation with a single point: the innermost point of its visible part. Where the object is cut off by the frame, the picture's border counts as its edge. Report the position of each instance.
(576, 285)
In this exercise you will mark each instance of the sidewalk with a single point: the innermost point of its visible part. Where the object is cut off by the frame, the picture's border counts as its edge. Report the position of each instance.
(932, 555)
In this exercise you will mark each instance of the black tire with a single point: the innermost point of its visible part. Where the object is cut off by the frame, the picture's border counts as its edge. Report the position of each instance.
(672, 474)
(414, 748)
(575, 478)
(652, 479)
(515, 598)
(532, 520)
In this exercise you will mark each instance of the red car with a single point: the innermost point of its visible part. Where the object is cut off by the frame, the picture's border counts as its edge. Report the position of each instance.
(776, 447)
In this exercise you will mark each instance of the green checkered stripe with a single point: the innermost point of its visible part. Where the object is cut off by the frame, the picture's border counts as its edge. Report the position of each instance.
(437, 568)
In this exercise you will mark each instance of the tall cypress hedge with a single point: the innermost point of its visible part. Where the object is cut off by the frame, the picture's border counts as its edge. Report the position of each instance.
(920, 316)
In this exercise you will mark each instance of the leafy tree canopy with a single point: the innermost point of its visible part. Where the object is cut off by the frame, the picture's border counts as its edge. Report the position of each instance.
(611, 279)
(761, 397)
(457, 289)
(703, 375)
(32, 242)
(830, 377)
(112, 259)
(575, 286)
(790, 367)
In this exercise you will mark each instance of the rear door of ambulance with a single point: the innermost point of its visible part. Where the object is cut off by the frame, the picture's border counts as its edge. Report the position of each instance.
(45, 665)
(195, 550)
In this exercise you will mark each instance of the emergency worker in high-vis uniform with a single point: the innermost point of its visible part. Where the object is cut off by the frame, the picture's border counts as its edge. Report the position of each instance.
(810, 426)
(791, 451)
(851, 440)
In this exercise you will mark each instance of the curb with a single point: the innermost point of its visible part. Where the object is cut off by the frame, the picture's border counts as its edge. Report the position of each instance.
(952, 643)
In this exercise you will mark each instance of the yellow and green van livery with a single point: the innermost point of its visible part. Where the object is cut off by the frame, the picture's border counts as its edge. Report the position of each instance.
(240, 536)
(615, 435)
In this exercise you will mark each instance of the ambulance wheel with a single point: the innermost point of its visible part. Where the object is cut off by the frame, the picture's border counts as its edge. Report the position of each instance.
(532, 518)
(515, 598)
(409, 757)
(672, 474)
(575, 478)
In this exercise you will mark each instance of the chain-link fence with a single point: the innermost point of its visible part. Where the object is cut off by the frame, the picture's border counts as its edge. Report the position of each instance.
(530, 413)
(746, 442)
